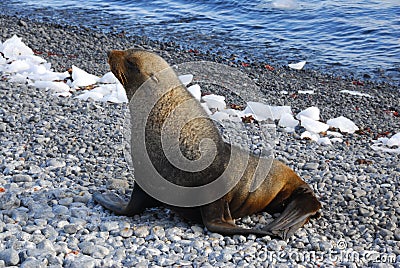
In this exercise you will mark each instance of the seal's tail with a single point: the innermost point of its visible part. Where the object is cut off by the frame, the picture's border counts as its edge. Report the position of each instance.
(301, 207)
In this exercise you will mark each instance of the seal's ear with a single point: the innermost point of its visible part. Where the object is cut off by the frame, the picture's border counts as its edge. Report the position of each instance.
(154, 77)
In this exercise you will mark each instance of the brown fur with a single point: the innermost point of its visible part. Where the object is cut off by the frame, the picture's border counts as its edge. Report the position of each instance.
(281, 189)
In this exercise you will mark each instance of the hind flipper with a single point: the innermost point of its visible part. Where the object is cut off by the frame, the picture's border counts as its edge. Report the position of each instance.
(138, 203)
(111, 202)
(302, 205)
(217, 218)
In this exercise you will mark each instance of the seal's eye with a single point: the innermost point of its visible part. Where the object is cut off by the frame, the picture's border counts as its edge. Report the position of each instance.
(132, 66)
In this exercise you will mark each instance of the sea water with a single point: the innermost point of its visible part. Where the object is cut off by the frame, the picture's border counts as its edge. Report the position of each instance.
(360, 38)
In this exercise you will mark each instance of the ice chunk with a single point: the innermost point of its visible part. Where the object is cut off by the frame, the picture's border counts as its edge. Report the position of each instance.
(278, 111)
(334, 134)
(233, 112)
(343, 124)
(108, 78)
(19, 78)
(287, 120)
(48, 76)
(97, 96)
(105, 89)
(297, 66)
(81, 78)
(313, 125)
(14, 47)
(310, 135)
(394, 140)
(18, 66)
(285, 4)
(205, 107)
(32, 59)
(262, 111)
(121, 93)
(195, 90)
(215, 101)
(305, 91)
(186, 79)
(56, 86)
(389, 145)
(356, 93)
(324, 141)
(118, 94)
(311, 112)
(62, 94)
(259, 110)
(219, 116)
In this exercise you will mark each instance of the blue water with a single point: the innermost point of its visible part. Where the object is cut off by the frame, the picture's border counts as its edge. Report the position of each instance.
(346, 37)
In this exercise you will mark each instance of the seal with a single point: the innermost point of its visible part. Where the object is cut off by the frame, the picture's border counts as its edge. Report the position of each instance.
(280, 189)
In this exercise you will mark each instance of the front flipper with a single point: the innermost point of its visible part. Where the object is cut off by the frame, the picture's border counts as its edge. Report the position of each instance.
(138, 203)
(217, 218)
(302, 205)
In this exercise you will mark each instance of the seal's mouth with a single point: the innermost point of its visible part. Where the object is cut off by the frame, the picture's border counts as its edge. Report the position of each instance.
(116, 60)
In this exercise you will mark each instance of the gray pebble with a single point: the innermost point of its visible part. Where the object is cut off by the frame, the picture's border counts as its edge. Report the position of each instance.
(34, 169)
(9, 256)
(311, 166)
(109, 226)
(70, 228)
(21, 178)
(60, 210)
(22, 23)
(117, 184)
(65, 201)
(3, 127)
(82, 262)
(158, 231)
(100, 252)
(340, 178)
(82, 197)
(8, 200)
(32, 262)
(126, 232)
(55, 163)
(197, 229)
(141, 231)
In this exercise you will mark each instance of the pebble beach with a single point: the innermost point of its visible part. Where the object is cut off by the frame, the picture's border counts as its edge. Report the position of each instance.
(56, 151)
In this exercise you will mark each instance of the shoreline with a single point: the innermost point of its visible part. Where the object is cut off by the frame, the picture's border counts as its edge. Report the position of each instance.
(327, 60)
(72, 148)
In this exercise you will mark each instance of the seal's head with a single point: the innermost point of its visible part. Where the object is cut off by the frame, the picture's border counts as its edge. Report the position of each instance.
(133, 67)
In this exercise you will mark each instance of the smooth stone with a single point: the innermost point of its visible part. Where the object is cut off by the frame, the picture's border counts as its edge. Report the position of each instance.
(9, 256)
(21, 178)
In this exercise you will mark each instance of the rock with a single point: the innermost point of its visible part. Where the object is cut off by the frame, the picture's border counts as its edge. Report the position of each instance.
(109, 226)
(54, 163)
(8, 200)
(9, 256)
(3, 127)
(22, 23)
(142, 231)
(311, 166)
(117, 184)
(100, 252)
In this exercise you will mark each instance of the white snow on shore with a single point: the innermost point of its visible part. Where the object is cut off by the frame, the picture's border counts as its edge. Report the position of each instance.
(356, 93)
(390, 145)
